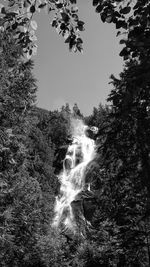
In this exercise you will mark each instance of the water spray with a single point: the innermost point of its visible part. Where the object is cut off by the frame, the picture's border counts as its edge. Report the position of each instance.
(72, 178)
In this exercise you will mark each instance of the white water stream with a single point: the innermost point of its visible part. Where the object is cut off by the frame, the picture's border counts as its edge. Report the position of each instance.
(72, 178)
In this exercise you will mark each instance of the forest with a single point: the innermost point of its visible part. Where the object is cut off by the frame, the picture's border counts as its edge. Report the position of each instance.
(34, 141)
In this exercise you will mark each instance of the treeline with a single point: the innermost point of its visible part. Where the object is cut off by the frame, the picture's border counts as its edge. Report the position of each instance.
(33, 143)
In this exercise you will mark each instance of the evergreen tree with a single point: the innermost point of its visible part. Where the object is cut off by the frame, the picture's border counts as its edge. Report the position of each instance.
(126, 154)
(76, 112)
(20, 192)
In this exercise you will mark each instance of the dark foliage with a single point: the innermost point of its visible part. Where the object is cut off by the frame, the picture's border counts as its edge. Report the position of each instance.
(17, 17)
(33, 143)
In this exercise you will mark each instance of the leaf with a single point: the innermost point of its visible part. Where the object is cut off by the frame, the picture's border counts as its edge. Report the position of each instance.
(72, 42)
(59, 5)
(122, 41)
(125, 10)
(63, 26)
(79, 40)
(121, 24)
(2, 10)
(11, 14)
(79, 47)
(33, 24)
(95, 2)
(133, 22)
(73, 1)
(109, 19)
(117, 14)
(14, 26)
(99, 8)
(21, 35)
(80, 25)
(42, 5)
(65, 17)
(32, 9)
(74, 9)
(103, 17)
(118, 33)
(54, 23)
(75, 17)
(124, 52)
(68, 39)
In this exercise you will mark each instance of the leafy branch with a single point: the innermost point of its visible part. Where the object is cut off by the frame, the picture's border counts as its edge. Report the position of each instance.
(17, 17)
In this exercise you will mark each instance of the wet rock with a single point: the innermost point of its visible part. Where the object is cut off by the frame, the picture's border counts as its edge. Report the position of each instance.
(83, 206)
(68, 162)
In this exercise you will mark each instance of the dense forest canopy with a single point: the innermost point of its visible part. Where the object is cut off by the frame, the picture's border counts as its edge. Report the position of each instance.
(33, 144)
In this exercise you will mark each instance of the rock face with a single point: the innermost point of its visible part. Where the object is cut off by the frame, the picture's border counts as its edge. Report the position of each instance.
(84, 205)
(83, 208)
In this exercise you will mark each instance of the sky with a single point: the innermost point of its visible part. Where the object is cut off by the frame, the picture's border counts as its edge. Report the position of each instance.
(68, 77)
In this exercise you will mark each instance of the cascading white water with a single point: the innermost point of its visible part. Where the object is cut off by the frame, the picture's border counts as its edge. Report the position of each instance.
(72, 178)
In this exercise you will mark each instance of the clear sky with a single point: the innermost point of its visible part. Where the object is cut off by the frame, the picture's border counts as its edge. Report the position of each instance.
(67, 77)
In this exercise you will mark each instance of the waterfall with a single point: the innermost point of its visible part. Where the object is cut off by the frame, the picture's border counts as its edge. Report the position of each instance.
(72, 178)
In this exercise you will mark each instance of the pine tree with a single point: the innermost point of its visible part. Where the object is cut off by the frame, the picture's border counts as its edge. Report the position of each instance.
(126, 160)
(20, 192)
